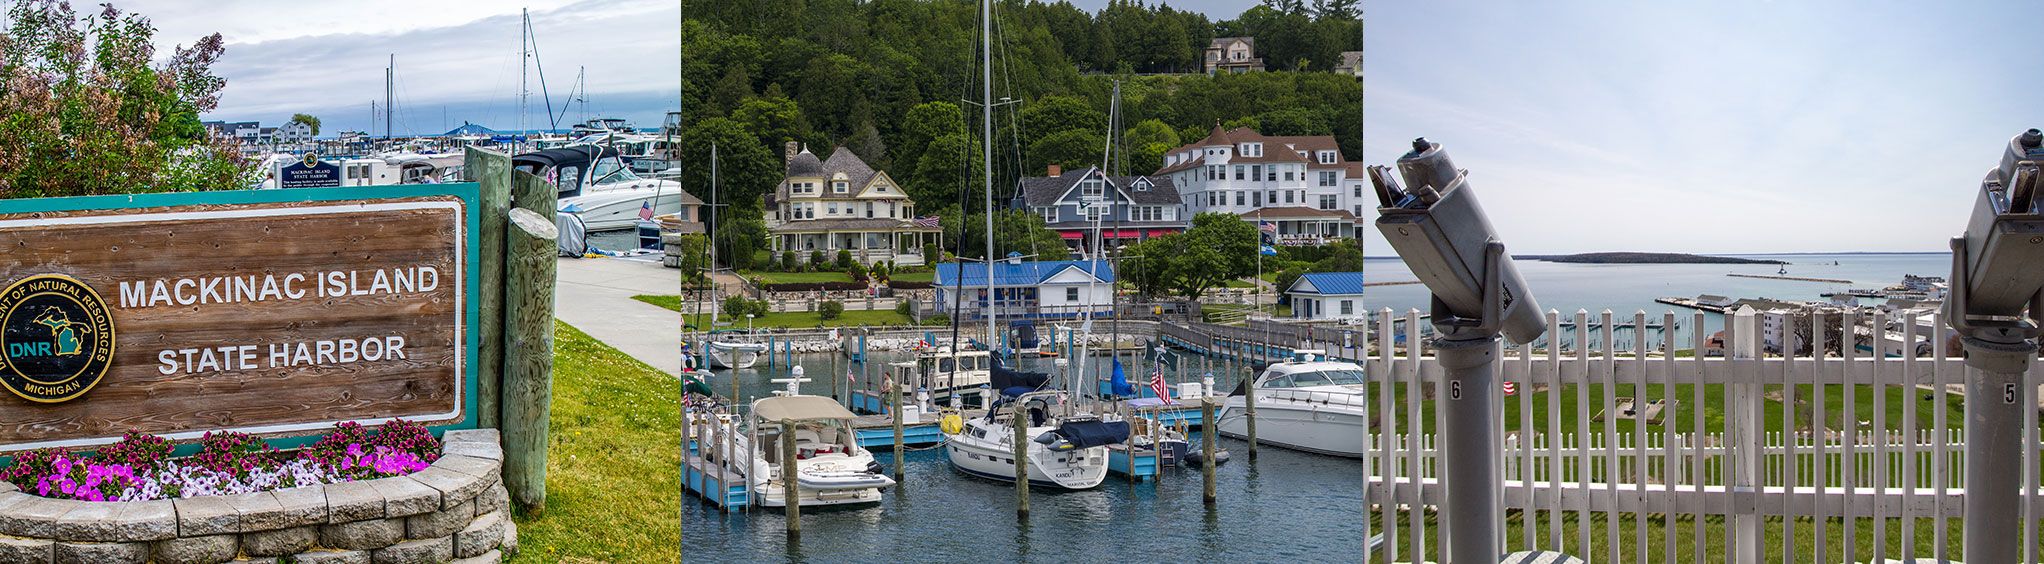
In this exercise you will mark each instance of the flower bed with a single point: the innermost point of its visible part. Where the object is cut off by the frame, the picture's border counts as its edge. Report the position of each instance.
(394, 495)
(139, 467)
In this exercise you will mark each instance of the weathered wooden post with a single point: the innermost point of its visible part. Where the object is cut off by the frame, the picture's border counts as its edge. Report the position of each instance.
(1020, 421)
(833, 376)
(1206, 449)
(492, 172)
(1249, 409)
(528, 354)
(791, 488)
(894, 392)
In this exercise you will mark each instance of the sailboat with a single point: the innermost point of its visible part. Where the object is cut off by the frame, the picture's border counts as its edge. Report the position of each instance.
(1067, 448)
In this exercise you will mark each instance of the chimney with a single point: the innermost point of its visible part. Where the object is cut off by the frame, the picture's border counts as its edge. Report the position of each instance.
(1055, 170)
(788, 154)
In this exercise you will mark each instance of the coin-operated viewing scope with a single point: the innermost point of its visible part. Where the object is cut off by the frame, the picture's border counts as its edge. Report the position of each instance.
(1444, 236)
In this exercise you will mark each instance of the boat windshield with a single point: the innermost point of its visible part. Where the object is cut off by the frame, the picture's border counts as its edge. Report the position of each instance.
(611, 171)
(1327, 378)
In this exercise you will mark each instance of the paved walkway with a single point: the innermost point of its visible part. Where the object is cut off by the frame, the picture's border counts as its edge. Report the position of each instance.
(595, 296)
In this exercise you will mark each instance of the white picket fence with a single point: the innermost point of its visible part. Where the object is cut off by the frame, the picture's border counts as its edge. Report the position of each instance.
(1760, 483)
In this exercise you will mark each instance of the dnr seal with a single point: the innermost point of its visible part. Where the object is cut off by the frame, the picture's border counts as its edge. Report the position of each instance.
(56, 338)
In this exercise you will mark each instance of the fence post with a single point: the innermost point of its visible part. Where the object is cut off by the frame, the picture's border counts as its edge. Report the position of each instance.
(528, 354)
(1744, 420)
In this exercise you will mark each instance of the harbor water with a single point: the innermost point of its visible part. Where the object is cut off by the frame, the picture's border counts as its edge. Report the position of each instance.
(1629, 288)
(1285, 505)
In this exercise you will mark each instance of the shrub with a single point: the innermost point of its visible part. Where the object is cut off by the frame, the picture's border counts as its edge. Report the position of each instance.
(788, 262)
(737, 306)
(938, 319)
(830, 309)
(844, 259)
(816, 258)
(904, 308)
(772, 263)
(811, 286)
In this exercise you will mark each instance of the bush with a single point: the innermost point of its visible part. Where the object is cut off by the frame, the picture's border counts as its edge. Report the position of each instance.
(830, 309)
(844, 259)
(737, 306)
(938, 319)
(856, 272)
(812, 286)
(903, 307)
(788, 263)
(816, 258)
(932, 254)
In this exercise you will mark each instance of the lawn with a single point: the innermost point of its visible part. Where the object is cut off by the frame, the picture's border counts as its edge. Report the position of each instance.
(925, 276)
(1685, 535)
(786, 319)
(798, 277)
(612, 488)
(1682, 416)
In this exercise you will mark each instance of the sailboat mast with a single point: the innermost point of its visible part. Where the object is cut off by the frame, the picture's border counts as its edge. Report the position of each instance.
(389, 93)
(986, 124)
(713, 238)
(524, 25)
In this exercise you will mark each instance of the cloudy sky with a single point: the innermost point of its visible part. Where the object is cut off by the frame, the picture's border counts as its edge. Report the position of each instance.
(1708, 127)
(456, 60)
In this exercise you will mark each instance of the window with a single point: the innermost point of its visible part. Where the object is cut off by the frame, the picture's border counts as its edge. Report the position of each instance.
(1288, 174)
(832, 210)
(1258, 199)
(869, 210)
(840, 186)
(1358, 190)
(1256, 171)
(1091, 189)
(1273, 174)
(1071, 294)
(1238, 197)
(1327, 157)
(1238, 172)
(1359, 210)
(1327, 202)
(1288, 196)
(1210, 199)
(1326, 178)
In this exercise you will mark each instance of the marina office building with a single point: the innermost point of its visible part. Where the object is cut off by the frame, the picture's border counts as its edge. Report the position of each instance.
(1026, 289)
(1298, 183)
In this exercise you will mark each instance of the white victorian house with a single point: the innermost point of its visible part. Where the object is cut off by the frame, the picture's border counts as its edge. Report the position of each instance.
(840, 203)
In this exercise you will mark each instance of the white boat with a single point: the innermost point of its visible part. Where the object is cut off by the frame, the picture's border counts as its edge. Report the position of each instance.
(1307, 404)
(830, 467)
(1064, 452)
(596, 187)
(940, 371)
(734, 354)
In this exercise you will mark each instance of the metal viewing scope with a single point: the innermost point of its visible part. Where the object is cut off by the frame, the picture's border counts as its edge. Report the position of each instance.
(1444, 236)
(1998, 266)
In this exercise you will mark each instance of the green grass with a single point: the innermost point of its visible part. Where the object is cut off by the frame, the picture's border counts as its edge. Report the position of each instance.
(612, 452)
(798, 277)
(1683, 415)
(1237, 283)
(1685, 537)
(925, 276)
(669, 302)
(808, 320)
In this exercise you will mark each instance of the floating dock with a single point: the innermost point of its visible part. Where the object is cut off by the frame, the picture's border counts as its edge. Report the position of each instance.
(712, 481)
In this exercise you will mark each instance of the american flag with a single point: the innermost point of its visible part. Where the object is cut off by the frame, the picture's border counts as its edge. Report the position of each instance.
(848, 376)
(1267, 227)
(646, 211)
(1157, 384)
(928, 221)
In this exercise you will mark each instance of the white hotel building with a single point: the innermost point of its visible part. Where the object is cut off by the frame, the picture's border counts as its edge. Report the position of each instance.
(1299, 183)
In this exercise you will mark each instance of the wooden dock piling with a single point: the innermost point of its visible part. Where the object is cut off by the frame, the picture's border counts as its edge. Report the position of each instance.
(791, 488)
(894, 392)
(1206, 448)
(1020, 422)
(528, 354)
(492, 171)
(1248, 409)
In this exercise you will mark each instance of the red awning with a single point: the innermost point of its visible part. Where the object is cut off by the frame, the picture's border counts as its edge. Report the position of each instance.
(1162, 232)
(1072, 234)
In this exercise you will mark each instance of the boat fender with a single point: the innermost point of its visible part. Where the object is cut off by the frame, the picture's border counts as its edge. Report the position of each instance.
(951, 424)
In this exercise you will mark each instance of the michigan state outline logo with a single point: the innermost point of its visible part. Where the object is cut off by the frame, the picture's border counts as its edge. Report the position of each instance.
(56, 338)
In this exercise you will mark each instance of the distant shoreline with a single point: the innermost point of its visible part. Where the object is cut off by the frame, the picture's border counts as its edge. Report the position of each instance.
(1840, 253)
(1644, 258)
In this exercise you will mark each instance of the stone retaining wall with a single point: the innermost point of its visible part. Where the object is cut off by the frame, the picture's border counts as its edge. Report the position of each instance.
(455, 511)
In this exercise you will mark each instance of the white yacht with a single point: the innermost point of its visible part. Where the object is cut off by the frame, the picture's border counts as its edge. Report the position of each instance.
(830, 466)
(1064, 452)
(940, 371)
(1305, 403)
(729, 349)
(597, 188)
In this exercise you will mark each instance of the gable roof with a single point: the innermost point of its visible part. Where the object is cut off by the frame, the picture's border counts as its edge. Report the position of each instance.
(1027, 273)
(1049, 190)
(1328, 283)
(1222, 42)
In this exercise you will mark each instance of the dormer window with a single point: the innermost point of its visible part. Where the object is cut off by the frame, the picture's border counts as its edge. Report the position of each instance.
(1327, 157)
(1091, 189)
(840, 187)
(1141, 185)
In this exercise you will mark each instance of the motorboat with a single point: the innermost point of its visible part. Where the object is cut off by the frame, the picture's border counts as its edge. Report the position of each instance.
(1305, 403)
(601, 125)
(596, 186)
(1067, 451)
(1022, 338)
(727, 350)
(830, 468)
(941, 372)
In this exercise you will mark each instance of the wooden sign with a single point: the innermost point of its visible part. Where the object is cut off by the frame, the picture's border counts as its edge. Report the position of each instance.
(275, 312)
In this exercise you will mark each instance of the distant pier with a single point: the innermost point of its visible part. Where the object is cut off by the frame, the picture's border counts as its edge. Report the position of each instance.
(1794, 278)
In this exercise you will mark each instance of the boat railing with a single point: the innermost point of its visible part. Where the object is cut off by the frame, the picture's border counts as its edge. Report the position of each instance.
(1321, 397)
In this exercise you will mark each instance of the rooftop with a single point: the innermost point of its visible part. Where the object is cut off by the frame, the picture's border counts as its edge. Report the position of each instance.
(1025, 273)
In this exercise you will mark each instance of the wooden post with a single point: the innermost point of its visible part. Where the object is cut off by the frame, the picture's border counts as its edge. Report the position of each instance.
(535, 194)
(492, 172)
(1248, 409)
(833, 376)
(791, 488)
(894, 391)
(528, 354)
(1020, 421)
(1206, 449)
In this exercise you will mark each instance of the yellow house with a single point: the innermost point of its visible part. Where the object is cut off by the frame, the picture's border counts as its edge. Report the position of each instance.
(841, 203)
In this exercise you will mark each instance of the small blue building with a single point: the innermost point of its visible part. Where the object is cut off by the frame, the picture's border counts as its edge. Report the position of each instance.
(1328, 296)
(1027, 289)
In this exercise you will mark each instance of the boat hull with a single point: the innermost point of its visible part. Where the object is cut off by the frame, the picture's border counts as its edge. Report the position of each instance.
(734, 356)
(1320, 429)
(1078, 469)
(611, 210)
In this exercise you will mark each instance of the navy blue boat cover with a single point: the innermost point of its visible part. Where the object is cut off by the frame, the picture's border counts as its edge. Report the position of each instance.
(1003, 378)
(1084, 434)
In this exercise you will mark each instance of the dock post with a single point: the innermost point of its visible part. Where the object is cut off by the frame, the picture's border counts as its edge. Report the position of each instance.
(1206, 449)
(1249, 409)
(1157, 444)
(1020, 421)
(770, 351)
(724, 456)
(791, 488)
(833, 376)
(895, 392)
(492, 171)
(529, 239)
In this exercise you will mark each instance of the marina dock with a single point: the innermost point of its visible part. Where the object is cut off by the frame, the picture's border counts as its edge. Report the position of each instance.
(712, 481)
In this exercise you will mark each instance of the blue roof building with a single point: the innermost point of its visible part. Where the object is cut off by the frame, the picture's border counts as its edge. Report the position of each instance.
(1027, 289)
(1327, 296)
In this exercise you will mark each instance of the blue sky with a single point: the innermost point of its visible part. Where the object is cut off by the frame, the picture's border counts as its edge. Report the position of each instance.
(1712, 128)
(456, 59)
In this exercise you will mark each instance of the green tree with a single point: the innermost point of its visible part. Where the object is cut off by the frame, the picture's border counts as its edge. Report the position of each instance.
(1292, 121)
(774, 120)
(1014, 231)
(308, 120)
(1054, 114)
(694, 255)
(739, 238)
(1147, 265)
(85, 110)
(746, 170)
(1217, 248)
(1345, 255)
(1072, 149)
(943, 169)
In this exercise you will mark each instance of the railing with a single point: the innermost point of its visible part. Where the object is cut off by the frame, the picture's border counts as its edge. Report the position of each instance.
(1848, 458)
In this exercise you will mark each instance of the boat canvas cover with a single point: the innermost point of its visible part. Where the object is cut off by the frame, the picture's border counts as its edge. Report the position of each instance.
(800, 408)
(1004, 378)
(573, 241)
(1086, 434)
